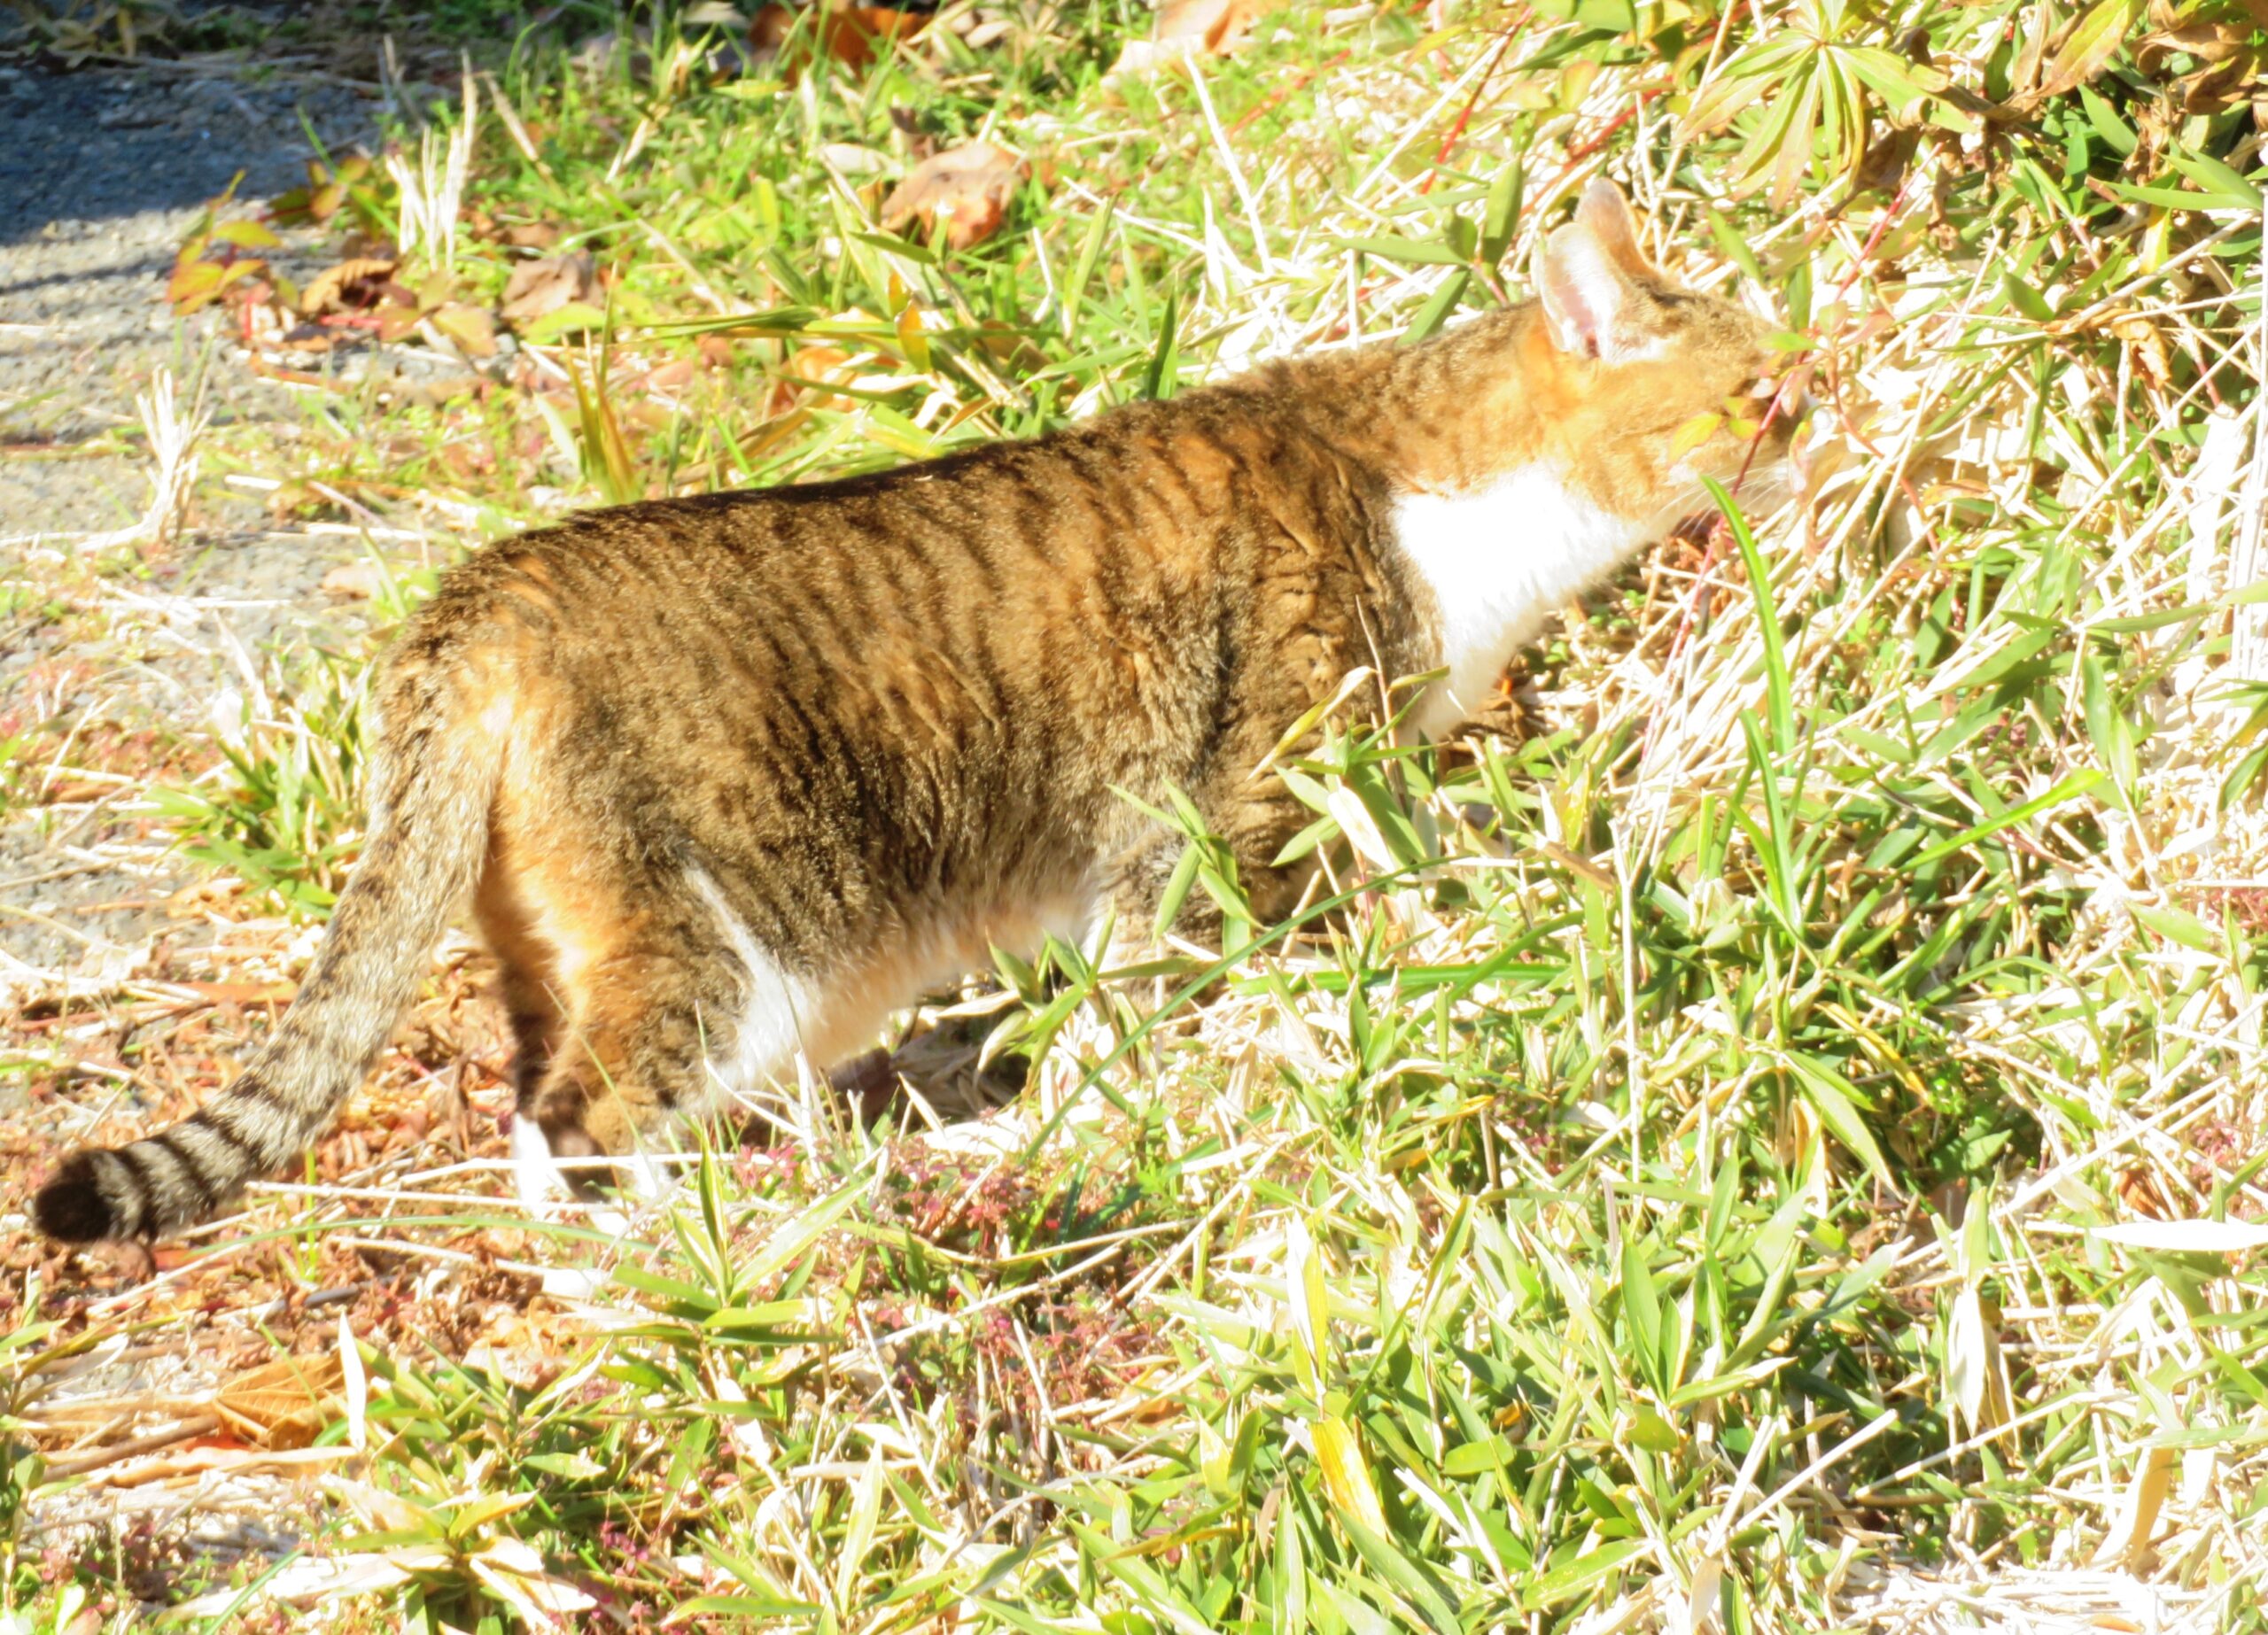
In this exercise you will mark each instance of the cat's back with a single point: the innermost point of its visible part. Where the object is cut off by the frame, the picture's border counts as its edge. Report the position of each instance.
(1071, 543)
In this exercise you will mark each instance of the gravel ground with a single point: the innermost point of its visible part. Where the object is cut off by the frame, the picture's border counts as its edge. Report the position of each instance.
(105, 173)
(106, 170)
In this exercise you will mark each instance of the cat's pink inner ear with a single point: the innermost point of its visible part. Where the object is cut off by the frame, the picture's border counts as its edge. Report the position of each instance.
(1606, 213)
(1584, 293)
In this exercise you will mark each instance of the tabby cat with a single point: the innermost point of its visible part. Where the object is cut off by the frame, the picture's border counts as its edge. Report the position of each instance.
(732, 777)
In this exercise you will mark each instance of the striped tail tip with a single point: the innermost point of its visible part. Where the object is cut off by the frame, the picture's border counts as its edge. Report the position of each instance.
(72, 1207)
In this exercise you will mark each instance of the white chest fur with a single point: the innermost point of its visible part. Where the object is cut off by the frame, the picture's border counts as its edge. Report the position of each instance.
(1500, 561)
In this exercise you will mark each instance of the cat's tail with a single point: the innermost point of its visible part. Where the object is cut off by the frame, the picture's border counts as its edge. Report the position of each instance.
(440, 745)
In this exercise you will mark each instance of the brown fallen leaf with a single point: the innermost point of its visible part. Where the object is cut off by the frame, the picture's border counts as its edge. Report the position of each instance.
(519, 235)
(350, 286)
(471, 327)
(244, 992)
(969, 188)
(294, 499)
(397, 320)
(812, 370)
(446, 390)
(2147, 344)
(361, 580)
(286, 1403)
(539, 287)
(308, 337)
(1217, 25)
(201, 897)
(848, 35)
(164, 1437)
(2139, 1189)
(169, 1468)
(1193, 28)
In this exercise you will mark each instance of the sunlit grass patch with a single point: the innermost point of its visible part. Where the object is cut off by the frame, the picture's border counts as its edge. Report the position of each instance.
(284, 811)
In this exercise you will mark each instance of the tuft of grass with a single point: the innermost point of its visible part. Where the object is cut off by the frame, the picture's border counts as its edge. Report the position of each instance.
(282, 813)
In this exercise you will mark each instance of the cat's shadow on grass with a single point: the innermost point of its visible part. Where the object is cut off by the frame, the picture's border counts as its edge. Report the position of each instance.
(941, 1064)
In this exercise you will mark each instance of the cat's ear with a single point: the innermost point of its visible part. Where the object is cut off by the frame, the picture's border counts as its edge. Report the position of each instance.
(1587, 299)
(1606, 213)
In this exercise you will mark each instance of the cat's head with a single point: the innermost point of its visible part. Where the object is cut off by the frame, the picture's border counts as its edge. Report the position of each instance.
(1654, 386)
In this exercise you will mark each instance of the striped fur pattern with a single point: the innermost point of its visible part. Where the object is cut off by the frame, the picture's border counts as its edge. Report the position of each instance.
(732, 777)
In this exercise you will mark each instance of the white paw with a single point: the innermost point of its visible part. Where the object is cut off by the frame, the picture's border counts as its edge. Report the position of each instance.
(541, 1182)
(649, 1178)
(536, 1174)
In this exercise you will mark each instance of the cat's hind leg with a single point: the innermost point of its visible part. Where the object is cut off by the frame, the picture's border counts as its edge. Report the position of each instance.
(636, 996)
(679, 1014)
(527, 977)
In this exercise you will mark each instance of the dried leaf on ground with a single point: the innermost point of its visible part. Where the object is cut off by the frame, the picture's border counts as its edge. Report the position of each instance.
(285, 1403)
(360, 580)
(397, 320)
(969, 188)
(196, 283)
(536, 288)
(537, 235)
(808, 369)
(850, 35)
(306, 337)
(1215, 24)
(471, 327)
(350, 286)
(1193, 28)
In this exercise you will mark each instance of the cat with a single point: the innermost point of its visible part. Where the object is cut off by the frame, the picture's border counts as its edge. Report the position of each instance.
(731, 777)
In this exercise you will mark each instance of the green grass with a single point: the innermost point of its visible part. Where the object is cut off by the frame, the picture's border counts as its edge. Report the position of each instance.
(282, 813)
(1670, 1190)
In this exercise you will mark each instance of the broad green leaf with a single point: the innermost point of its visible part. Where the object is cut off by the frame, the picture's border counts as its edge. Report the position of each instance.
(2178, 925)
(1836, 1101)
(2088, 49)
(2227, 188)
(1562, 1584)
(1346, 1476)
(2077, 783)
(1642, 1310)
(1404, 1573)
